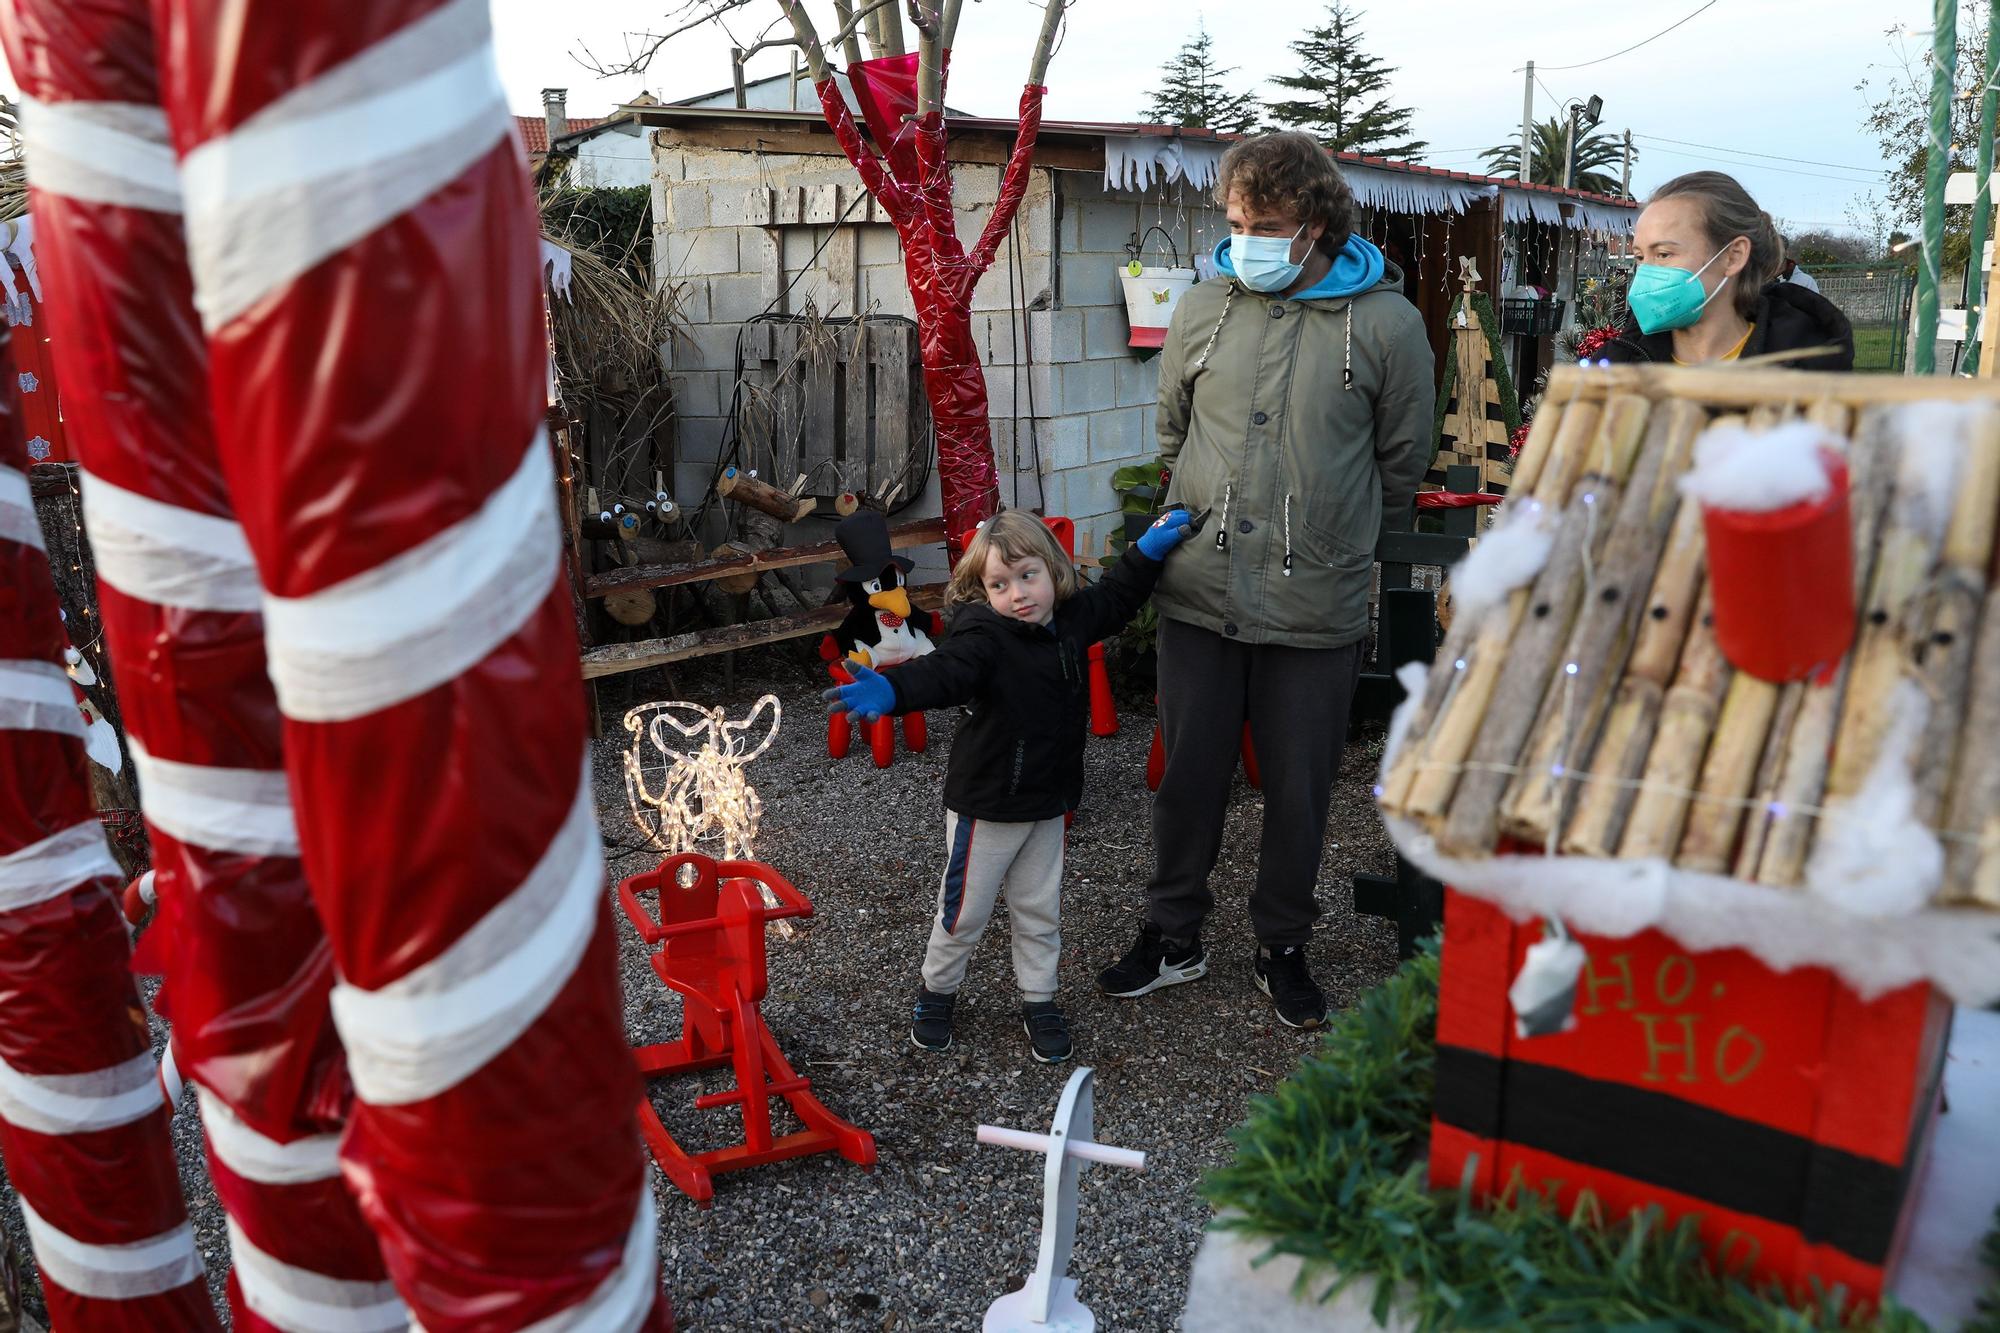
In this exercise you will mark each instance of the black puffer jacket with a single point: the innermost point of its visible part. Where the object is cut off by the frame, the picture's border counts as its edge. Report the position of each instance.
(1788, 317)
(1019, 756)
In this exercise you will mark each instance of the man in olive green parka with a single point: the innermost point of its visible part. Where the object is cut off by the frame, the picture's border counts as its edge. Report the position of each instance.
(1296, 396)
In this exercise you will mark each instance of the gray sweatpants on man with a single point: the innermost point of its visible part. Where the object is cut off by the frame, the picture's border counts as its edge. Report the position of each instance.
(983, 858)
(1296, 701)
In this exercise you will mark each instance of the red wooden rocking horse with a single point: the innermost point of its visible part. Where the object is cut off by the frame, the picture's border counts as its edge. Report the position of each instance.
(707, 945)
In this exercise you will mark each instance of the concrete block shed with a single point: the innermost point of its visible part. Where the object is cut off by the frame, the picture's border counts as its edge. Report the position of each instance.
(758, 215)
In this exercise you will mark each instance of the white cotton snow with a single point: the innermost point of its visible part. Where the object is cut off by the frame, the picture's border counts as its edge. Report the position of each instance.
(1414, 677)
(1506, 558)
(1872, 856)
(1955, 948)
(1758, 472)
(1932, 441)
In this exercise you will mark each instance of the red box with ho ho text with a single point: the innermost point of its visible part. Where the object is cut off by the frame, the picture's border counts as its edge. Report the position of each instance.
(1787, 1112)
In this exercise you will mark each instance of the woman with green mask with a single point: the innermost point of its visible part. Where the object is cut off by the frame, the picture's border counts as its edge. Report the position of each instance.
(1705, 290)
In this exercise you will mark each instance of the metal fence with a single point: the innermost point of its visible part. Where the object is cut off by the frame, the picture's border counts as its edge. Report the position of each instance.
(1876, 300)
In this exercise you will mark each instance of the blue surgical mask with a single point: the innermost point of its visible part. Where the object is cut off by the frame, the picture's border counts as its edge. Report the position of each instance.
(1664, 298)
(1264, 263)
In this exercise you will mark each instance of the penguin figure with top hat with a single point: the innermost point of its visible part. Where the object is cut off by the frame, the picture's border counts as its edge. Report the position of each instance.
(883, 628)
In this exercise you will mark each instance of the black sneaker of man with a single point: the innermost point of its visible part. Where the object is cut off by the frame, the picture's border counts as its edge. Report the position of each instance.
(930, 1021)
(1047, 1029)
(1156, 960)
(1282, 975)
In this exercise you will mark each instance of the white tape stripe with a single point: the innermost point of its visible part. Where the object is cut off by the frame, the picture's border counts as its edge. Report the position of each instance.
(341, 156)
(101, 152)
(38, 696)
(166, 554)
(424, 617)
(624, 1299)
(114, 1272)
(17, 510)
(246, 810)
(299, 1300)
(263, 1160)
(80, 1103)
(32, 681)
(57, 864)
(432, 1028)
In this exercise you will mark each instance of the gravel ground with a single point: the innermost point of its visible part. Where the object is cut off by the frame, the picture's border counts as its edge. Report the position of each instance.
(943, 1225)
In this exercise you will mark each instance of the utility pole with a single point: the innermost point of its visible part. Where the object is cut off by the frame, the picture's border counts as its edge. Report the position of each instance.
(1528, 124)
(1625, 177)
(1569, 146)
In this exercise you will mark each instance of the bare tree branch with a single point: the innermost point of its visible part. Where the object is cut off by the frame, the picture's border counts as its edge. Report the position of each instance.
(1045, 41)
(850, 46)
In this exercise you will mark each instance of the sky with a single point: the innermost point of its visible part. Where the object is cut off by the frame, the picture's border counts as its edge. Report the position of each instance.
(1743, 78)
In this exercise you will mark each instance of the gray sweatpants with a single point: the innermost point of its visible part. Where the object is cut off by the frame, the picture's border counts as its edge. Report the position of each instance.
(981, 859)
(1296, 702)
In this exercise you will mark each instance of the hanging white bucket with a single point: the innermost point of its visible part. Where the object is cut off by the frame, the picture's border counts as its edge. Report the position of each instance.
(1150, 298)
(1152, 293)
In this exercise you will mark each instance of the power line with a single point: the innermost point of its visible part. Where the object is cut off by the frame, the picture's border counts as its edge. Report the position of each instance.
(1745, 152)
(1557, 69)
(1760, 166)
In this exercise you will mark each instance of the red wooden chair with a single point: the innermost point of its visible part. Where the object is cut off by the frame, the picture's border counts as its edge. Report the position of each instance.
(881, 732)
(707, 945)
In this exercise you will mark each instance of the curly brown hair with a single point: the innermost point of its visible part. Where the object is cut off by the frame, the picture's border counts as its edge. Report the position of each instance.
(1290, 173)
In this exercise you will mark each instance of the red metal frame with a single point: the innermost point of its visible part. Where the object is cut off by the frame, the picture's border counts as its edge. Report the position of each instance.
(707, 943)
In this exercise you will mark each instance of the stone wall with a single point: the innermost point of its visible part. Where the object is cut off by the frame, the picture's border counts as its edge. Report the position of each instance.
(743, 232)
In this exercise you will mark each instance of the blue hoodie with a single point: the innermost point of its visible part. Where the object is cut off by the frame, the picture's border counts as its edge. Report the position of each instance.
(1356, 268)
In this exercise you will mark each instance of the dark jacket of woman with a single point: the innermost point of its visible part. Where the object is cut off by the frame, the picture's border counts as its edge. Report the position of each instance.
(1788, 317)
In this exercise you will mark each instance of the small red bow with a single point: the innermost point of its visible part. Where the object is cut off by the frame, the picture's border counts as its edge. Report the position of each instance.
(889, 621)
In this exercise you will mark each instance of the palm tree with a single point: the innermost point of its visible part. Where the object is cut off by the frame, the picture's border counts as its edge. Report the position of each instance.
(1545, 165)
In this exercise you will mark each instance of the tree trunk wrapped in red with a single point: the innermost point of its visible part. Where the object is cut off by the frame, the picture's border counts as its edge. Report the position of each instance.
(249, 971)
(911, 179)
(363, 241)
(83, 1125)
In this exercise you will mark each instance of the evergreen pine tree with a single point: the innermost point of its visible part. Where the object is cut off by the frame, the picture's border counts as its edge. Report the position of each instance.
(1344, 92)
(1192, 93)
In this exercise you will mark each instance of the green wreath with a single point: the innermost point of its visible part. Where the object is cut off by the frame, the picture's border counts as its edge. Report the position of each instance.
(1330, 1168)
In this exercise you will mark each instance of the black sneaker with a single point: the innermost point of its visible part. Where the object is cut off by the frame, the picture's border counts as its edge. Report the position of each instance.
(1047, 1029)
(1153, 962)
(930, 1021)
(1282, 975)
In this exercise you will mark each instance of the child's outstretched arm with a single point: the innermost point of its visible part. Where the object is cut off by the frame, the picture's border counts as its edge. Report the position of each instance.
(1107, 606)
(953, 673)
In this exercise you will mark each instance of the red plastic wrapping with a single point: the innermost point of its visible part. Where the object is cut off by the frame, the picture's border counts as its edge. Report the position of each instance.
(915, 190)
(1784, 583)
(376, 346)
(247, 963)
(82, 1123)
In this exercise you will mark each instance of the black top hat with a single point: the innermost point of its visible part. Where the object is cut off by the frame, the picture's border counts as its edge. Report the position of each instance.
(864, 535)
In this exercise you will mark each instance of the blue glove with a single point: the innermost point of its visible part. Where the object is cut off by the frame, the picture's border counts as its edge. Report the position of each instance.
(869, 697)
(1168, 531)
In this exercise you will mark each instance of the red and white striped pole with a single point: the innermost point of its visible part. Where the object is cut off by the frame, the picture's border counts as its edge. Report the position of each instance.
(365, 251)
(82, 1123)
(248, 970)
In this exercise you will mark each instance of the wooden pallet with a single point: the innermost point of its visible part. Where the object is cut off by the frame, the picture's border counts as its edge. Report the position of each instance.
(841, 401)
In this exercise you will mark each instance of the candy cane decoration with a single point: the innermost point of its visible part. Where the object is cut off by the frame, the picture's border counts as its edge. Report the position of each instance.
(248, 970)
(365, 254)
(82, 1122)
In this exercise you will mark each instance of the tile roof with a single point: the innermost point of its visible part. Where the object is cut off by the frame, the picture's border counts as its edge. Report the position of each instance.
(535, 129)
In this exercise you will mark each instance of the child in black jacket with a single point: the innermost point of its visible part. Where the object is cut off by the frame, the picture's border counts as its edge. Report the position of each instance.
(1017, 655)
